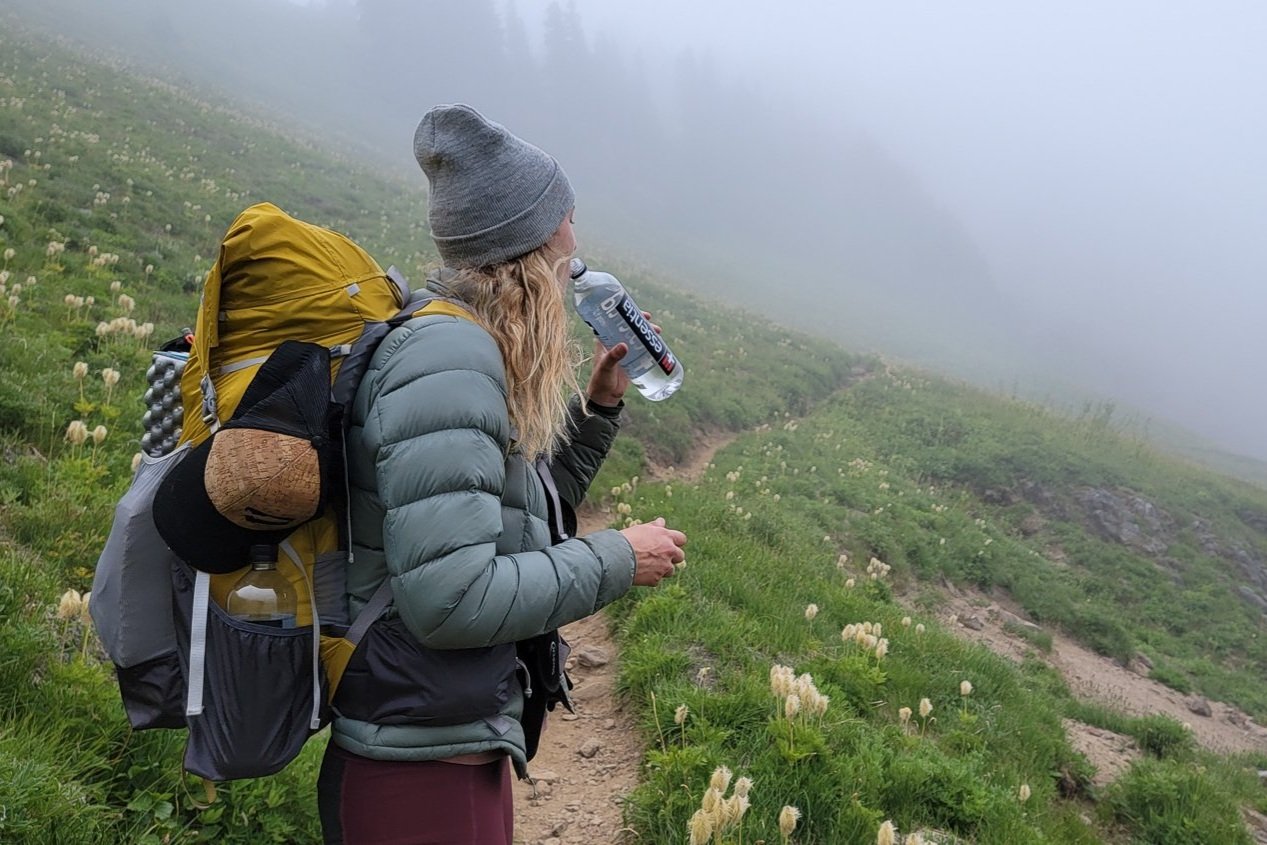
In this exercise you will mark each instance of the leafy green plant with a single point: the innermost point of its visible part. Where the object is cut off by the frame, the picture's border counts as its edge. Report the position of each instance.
(1162, 736)
(1170, 803)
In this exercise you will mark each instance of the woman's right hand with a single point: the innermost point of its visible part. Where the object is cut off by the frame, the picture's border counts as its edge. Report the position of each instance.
(657, 550)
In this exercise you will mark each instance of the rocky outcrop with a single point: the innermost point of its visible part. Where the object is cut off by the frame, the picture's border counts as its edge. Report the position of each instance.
(1253, 598)
(1120, 515)
(1127, 518)
(1043, 499)
(1254, 519)
(1199, 706)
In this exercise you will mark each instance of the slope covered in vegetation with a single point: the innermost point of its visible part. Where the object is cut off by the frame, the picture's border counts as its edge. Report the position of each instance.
(117, 194)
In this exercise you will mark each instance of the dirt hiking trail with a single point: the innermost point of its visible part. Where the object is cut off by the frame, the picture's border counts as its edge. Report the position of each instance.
(1219, 727)
(588, 761)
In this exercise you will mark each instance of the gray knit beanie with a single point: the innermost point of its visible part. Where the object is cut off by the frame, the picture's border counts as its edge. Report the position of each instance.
(494, 196)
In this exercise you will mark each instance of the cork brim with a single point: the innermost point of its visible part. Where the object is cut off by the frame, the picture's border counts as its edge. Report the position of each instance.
(262, 480)
(192, 526)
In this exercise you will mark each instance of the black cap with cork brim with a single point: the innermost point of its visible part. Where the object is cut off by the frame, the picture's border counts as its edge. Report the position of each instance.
(261, 475)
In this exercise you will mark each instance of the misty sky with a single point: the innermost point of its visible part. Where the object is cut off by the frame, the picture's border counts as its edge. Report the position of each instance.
(1109, 159)
(1100, 166)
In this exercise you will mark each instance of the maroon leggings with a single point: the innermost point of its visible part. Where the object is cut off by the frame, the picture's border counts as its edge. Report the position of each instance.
(382, 802)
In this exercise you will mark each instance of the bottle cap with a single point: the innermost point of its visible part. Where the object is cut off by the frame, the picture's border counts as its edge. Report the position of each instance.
(577, 268)
(263, 553)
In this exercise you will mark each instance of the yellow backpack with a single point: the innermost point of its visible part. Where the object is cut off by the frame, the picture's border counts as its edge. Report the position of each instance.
(250, 695)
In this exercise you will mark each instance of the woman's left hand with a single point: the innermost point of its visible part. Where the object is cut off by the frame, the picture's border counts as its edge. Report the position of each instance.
(608, 382)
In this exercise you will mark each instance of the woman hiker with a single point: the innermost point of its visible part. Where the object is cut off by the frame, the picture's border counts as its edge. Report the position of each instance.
(464, 452)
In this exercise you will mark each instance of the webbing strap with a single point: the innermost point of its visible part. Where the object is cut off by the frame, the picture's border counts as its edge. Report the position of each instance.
(369, 614)
(556, 504)
(289, 550)
(241, 365)
(402, 286)
(443, 306)
(198, 644)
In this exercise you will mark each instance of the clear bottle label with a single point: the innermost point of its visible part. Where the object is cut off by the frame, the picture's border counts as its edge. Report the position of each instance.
(624, 307)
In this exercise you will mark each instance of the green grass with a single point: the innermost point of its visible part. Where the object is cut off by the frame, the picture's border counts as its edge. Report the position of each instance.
(1171, 803)
(767, 524)
(842, 455)
(178, 165)
(739, 607)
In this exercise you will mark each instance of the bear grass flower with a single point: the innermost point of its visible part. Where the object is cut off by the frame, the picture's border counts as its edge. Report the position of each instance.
(70, 605)
(111, 377)
(720, 779)
(717, 813)
(1023, 793)
(782, 680)
(700, 827)
(77, 433)
(788, 817)
(887, 834)
(811, 610)
(733, 810)
(878, 569)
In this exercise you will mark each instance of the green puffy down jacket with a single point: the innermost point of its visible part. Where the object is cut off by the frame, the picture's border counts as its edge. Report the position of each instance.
(441, 505)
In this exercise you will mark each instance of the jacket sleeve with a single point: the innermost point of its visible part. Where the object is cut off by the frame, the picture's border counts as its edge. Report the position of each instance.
(440, 434)
(575, 465)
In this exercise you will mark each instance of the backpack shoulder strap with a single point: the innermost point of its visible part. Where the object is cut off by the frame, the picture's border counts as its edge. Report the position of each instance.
(357, 356)
(442, 306)
(369, 614)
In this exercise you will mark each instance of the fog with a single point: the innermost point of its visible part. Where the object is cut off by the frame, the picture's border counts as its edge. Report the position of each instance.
(1067, 200)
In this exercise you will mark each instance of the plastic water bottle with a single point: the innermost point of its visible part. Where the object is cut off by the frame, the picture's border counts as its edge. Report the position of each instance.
(263, 596)
(610, 311)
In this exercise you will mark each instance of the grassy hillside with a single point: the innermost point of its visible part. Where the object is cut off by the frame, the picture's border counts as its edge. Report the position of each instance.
(118, 191)
(114, 191)
(916, 473)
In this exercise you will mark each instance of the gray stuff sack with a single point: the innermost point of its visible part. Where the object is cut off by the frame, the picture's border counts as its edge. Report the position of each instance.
(131, 604)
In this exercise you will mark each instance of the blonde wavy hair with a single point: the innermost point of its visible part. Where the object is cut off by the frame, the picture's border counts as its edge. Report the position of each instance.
(521, 304)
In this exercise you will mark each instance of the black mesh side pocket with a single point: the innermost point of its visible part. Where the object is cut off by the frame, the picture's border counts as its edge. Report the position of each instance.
(392, 679)
(154, 693)
(257, 692)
